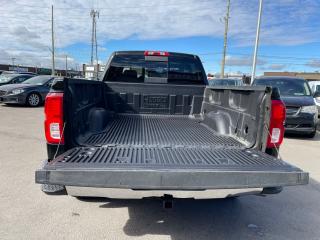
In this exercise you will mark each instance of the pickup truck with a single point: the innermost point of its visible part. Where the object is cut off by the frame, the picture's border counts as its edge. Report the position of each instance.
(152, 127)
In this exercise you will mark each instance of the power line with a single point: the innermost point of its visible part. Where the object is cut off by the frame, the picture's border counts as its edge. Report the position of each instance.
(226, 23)
(66, 65)
(256, 46)
(13, 61)
(261, 55)
(94, 45)
(52, 43)
(203, 56)
(94, 14)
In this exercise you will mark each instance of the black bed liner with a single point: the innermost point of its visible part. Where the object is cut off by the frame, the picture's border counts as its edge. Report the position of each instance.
(159, 130)
(163, 137)
(166, 152)
(168, 168)
(167, 157)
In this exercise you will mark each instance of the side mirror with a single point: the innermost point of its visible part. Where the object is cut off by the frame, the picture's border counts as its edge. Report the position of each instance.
(316, 94)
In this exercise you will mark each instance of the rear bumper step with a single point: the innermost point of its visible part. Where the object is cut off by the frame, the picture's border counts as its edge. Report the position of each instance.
(169, 168)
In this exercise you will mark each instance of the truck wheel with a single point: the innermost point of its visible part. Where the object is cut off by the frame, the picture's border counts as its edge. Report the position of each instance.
(53, 189)
(34, 100)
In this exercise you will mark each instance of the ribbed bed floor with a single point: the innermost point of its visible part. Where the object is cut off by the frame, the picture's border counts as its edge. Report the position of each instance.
(159, 130)
(230, 159)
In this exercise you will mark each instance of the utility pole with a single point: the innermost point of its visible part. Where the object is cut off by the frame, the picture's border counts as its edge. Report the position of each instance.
(66, 65)
(13, 59)
(52, 42)
(226, 28)
(254, 64)
(94, 46)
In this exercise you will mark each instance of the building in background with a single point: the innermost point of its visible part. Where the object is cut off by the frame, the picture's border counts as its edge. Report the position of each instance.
(313, 76)
(40, 71)
(90, 71)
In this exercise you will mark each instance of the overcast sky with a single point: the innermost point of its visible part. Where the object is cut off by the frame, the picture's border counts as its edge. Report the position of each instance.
(290, 34)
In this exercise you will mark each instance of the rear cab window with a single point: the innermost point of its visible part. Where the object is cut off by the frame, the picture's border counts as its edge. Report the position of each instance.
(167, 69)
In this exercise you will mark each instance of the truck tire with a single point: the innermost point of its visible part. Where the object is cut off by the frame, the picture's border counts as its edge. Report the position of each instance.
(53, 189)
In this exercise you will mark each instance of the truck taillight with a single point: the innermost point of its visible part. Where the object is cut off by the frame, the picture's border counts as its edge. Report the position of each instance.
(53, 123)
(156, 53)
(276, 128)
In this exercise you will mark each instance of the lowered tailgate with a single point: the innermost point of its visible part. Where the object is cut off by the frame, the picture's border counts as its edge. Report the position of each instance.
(176, 168)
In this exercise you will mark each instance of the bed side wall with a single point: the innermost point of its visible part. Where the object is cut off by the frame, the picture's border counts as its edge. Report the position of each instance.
(238, 111)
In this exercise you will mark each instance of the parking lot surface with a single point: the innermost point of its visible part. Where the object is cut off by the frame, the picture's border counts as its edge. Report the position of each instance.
(27, 213)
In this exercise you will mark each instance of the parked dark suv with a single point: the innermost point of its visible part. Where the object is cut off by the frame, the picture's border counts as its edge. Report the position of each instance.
(301, 110)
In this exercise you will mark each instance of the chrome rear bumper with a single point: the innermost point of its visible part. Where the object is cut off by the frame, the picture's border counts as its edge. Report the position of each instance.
(117, 193)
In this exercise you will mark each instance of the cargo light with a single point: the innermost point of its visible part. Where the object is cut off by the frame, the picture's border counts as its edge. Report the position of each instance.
(156, 53)
(53, 123)
(276, 128)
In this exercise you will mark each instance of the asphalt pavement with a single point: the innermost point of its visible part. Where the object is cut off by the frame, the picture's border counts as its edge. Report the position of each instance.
(27, 213)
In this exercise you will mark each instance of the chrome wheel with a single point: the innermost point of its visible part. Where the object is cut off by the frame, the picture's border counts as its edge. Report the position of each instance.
(34, 100)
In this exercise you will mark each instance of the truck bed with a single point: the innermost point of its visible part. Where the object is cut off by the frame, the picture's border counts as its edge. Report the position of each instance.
(166, 152)
(166, 137)
(161, 131)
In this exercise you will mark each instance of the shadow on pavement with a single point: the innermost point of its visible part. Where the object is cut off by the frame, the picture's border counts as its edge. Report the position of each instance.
(292, 214)
(188, 219)
(19, 106)
(12, 105)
